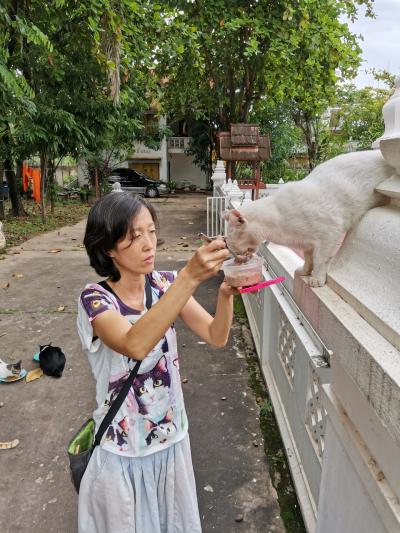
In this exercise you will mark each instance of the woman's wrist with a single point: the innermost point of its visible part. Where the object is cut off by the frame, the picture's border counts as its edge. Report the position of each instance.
(185, 275)
(224, 294)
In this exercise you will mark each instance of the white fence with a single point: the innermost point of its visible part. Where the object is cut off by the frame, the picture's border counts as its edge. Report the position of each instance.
(216, 206)
(339, 464)
(295, 365)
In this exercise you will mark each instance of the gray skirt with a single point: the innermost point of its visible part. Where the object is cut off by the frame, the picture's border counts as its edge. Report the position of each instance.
(152, 494)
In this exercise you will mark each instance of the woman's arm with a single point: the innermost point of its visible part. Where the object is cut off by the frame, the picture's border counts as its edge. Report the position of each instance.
(137, 340)
(214, 331)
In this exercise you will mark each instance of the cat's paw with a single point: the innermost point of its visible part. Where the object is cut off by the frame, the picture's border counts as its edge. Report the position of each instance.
(312, 281)
(302, 271)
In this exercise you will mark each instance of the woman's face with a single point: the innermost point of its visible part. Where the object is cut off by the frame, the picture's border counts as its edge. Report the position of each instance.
(137, 256)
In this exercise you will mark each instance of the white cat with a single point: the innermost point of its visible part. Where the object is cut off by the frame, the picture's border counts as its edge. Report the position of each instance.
(314, 213)
(9, 370)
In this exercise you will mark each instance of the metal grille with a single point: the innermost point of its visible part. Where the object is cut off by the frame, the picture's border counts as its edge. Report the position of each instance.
(287, 347)
(216, 206)
(316, 413)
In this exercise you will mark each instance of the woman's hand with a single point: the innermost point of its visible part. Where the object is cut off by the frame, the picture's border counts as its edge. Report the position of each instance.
(227, 290)
(207, 260)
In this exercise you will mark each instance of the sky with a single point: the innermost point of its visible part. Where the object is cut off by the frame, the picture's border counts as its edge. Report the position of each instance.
(381, 45)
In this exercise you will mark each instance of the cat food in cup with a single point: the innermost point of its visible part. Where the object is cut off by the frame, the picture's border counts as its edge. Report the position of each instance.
(243, 274)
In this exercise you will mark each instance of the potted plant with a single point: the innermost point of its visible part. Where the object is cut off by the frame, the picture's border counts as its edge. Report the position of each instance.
(172, 186)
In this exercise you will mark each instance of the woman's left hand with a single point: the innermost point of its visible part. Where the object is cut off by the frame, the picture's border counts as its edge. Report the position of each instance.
(227, 290)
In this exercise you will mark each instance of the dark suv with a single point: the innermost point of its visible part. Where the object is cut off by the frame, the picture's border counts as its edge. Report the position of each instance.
(137, 182)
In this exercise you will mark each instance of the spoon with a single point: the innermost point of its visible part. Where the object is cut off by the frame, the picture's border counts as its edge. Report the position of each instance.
(238, 258)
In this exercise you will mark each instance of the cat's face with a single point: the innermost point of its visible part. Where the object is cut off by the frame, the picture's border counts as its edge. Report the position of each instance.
(8, 370)
(152, 387)
(161, 433)
(240, 239)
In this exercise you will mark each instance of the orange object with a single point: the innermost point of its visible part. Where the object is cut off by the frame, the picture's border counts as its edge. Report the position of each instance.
(31, 175)
(25, 177)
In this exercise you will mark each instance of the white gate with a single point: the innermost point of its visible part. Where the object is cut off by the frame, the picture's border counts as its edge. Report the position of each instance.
(216, 206)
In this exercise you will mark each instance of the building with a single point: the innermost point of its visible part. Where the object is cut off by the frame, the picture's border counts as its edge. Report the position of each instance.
(169, 163)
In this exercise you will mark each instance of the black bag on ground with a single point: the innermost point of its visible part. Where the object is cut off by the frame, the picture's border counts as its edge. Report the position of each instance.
(83, 443)
(51, 360)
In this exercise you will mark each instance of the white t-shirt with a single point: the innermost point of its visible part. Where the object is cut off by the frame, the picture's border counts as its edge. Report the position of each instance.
(153, 414)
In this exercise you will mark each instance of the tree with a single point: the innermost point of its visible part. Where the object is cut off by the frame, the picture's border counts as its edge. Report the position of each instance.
(356, 119)
(232, 53)
(285, 137)
(360, 115)
(15, 92)
(85, 80)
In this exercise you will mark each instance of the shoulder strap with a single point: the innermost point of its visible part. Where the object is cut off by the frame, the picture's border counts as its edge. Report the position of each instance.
(113, 410)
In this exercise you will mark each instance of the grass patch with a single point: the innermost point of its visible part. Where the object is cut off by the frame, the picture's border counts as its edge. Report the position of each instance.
(18, 230)
(238, 307)
(278, 466)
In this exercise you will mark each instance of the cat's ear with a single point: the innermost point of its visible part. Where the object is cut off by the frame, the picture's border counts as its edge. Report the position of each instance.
(233, 216)
(162, 364)
(236, 217)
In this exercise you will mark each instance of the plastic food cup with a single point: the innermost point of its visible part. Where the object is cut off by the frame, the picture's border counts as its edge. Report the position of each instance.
(244, 274)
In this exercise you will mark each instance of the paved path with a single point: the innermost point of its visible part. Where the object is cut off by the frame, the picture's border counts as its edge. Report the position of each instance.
(36, 495)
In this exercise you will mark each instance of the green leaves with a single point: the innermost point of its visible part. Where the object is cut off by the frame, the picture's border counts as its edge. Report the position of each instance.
(32, 33)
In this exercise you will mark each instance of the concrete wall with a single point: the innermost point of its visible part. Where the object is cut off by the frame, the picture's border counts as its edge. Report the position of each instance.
(182, 168)
(333, 375)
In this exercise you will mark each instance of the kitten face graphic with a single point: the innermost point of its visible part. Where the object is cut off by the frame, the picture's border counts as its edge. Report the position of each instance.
(161, 433)
(152, 390)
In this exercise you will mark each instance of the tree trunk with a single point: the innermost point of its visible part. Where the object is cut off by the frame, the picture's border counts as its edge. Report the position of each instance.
(96, 182)
(311, 151)
(2, 214)
(306, 125)
(43, 167)
(50, 184)
(17, 209)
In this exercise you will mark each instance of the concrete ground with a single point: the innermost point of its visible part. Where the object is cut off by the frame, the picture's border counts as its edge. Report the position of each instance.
(39, 307)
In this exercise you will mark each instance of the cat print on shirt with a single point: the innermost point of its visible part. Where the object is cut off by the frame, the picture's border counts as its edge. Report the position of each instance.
(152, 394)
(161, 432)
(152, 391)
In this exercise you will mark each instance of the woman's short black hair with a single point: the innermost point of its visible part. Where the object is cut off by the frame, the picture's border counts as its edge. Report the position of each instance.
(109, 221)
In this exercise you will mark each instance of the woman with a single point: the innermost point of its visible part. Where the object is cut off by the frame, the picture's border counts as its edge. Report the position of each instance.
(140, 479)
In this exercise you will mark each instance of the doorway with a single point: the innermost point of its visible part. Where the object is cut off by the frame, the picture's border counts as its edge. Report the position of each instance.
(151, 169)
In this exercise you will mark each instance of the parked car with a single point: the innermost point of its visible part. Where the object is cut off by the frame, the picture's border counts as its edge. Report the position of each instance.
(135, 181)
(6, 192)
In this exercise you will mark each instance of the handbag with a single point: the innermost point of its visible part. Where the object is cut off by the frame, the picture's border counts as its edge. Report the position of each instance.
(83, 443)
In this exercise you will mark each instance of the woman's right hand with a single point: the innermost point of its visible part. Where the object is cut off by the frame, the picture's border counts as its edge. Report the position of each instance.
(207, 260)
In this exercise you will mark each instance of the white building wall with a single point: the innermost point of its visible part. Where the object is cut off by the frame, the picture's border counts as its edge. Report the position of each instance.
(182, 168)
(142, 152)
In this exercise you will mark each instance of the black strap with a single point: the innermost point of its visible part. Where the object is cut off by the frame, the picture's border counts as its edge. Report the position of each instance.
(113, 410)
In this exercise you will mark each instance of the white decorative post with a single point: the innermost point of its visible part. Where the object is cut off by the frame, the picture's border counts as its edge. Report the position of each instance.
(2, 237)
(389, 143)
(116, 187)
(228, 186)
(235, 194)
(218, 177)
(247, 198)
